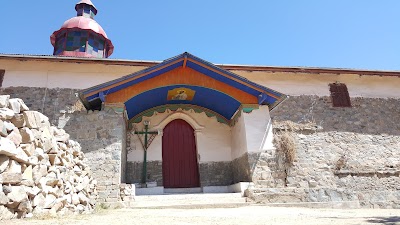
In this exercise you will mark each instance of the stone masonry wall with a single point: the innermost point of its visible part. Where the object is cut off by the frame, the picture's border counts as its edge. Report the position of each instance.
(101, 135)
(134, 172)
(241, 169)
(53, 103)
(354, 150)
(211, 173)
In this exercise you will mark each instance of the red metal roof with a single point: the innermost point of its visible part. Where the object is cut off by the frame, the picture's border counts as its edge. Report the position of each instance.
(83, 23)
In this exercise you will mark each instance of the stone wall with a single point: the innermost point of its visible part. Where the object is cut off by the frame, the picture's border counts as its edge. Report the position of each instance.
(353, 149)
(101, 135)
(134, 172)
(211, 173)
(215, 174)
(53, 103)
(241, 169)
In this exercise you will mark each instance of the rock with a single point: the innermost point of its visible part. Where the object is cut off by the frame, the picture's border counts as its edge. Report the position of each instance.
(54, 159)
(27, 135)
(10, 178)
(7, 189)
(33, 160)
(50, 201)
(83, 198)
(39, 171)
(17, 194)
(28, 173)
(18, 120)
(3, 198)
(15, 137)
(14, 167)
(3, 129)
(33, 191)
(29, 149)
(75, 199)
(4, 101)
(21, 156)
(32, 119)
(14, 105)
(57, 206)
(25, 206)
(68, 198)
(6, 214)
(9, 126)
(28, 183)
(39, 201)
(51, 181)
(4, 162)
(7, 147)
(6, 114)
(22, 104)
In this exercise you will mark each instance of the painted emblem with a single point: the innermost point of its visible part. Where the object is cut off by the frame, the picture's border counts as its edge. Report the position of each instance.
(181, 94)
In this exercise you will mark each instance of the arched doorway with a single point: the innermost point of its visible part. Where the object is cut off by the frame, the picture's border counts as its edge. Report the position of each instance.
(179, 155)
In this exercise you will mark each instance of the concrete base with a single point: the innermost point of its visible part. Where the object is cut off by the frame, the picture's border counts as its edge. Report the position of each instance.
(150, 191)
(234, 188)
(241, 187)
(183, 190)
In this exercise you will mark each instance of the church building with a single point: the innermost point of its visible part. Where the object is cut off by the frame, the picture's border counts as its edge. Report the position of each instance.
(187, 125)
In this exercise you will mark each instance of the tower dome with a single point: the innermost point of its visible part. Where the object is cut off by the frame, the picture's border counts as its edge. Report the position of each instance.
(82, 36)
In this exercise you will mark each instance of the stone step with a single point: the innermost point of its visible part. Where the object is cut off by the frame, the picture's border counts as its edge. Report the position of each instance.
(304, 197)
(333, 205)
(180, 200)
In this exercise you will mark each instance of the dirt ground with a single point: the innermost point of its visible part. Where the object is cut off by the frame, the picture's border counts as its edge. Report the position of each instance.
(238, 215)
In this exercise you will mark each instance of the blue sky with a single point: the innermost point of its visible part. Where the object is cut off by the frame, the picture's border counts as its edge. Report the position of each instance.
(363, 34)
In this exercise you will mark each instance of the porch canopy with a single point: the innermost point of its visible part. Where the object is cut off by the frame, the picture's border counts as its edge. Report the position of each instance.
(186, 82)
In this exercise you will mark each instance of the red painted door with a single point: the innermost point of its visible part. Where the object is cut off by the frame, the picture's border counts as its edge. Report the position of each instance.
(180, 168)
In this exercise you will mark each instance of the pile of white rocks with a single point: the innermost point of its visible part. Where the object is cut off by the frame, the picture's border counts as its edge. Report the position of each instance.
(42, 171)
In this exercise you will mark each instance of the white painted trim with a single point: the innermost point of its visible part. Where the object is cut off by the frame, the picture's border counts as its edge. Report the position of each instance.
(180, 115)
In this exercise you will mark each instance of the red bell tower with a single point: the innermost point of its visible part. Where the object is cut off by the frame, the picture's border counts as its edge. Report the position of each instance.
(82, 36)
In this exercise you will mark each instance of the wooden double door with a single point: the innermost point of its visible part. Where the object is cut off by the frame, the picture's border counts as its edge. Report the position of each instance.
(179, 155)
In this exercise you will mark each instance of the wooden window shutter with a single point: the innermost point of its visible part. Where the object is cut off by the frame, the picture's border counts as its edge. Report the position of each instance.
(340, 95)
(2, 72)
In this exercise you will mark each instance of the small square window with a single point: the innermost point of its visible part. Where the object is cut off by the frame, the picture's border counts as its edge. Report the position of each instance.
(340, 95)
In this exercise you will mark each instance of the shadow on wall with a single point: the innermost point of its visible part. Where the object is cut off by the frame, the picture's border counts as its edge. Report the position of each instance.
(367, 115)
(392, 220)
(53, 103)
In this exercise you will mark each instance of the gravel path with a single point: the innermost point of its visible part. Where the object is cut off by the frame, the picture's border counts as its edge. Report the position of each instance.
(239, 215)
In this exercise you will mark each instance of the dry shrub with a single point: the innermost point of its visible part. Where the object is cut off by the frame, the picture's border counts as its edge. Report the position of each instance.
(78, 106)
(285, 145)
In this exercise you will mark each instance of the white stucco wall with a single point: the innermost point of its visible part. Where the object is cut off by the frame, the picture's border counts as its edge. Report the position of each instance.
(317, 84)
(239, 142)
(213, 140)
(60, 74)
(65, 74)
(258, 135)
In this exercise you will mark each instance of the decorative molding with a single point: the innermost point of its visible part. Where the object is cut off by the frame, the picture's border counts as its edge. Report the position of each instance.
(179, 115)
(178, 108)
